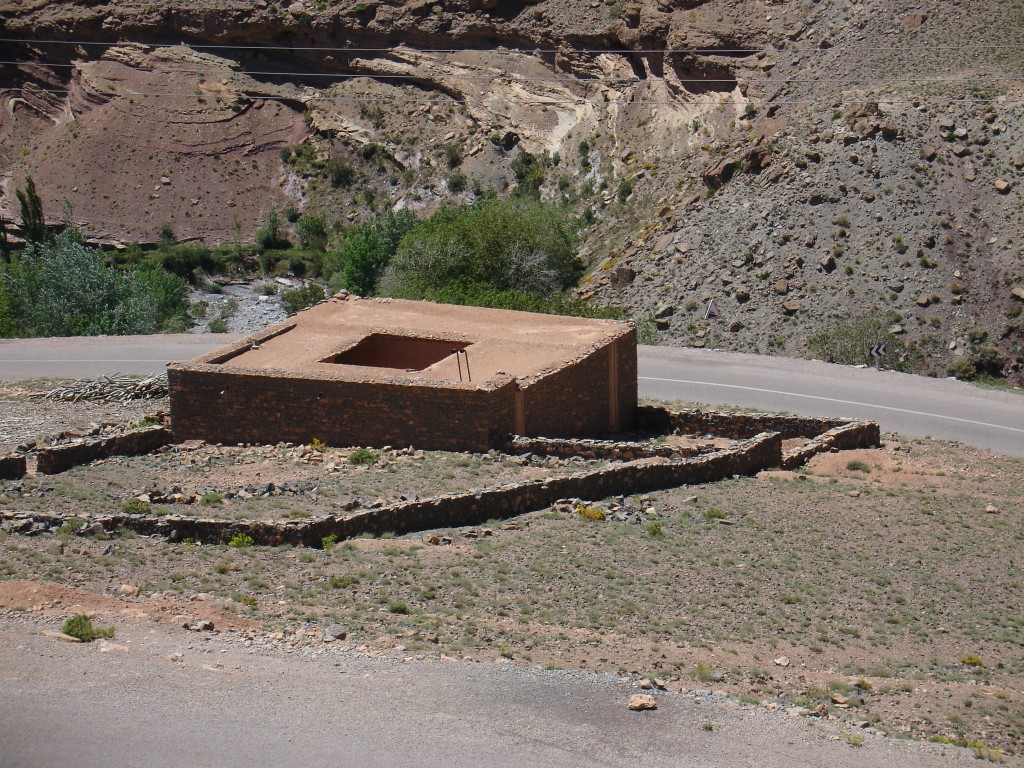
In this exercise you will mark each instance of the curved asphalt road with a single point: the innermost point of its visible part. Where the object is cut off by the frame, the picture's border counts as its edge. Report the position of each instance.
(910, 405)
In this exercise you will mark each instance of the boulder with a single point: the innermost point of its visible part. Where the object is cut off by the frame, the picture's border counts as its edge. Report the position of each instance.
(640, 702)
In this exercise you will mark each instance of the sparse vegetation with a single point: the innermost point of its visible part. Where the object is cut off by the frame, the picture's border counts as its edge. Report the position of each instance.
(81, 626)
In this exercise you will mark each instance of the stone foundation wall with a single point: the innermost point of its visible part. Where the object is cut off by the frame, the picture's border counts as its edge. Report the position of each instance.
(454, 510)
(12, 467)
(611, 450)
(59, 458)
(737, 425)
(857, 434)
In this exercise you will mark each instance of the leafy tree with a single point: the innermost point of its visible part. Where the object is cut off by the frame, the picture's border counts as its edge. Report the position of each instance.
(64, 288)
(32, 220)
(269, 237)
(5, 248)
(519, 245)
(366, 250)
(312, 231)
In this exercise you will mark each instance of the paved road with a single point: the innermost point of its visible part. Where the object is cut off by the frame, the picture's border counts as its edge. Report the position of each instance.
(75, 706)
(87, 357)
(911, 405)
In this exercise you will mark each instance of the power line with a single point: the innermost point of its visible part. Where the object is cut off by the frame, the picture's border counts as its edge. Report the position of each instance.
(347, 49)
(565, 79)
(564, 101)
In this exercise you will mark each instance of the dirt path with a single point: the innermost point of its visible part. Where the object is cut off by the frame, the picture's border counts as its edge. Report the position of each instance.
(126, 703)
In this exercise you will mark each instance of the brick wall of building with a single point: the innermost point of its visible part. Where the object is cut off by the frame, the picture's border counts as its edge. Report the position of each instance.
(575, 401)
(238, 407)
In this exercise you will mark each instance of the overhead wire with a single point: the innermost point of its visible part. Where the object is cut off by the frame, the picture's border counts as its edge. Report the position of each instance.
(353, 49)
(547, 102)
(959, 77)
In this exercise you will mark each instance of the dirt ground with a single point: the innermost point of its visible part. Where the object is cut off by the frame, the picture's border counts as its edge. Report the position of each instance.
(880, 587)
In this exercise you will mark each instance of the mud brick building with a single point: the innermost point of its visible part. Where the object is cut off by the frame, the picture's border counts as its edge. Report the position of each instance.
(374, 372)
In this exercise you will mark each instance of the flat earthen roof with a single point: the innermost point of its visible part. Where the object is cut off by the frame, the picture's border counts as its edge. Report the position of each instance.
(520, 344)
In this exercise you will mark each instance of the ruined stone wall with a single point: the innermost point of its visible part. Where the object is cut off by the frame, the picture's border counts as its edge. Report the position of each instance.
(59, 458)
(738, 425)
(244, 407)
(12, 467)
(457, 509)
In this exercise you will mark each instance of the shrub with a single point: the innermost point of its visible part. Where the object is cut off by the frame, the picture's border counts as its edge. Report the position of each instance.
(362, 456)
(64, 288)
(366, 250)
(344, 581)
(655, 531)
(81, 626)
(397, 606)
(299, 299)
(452, 155)
(340, 172)
(856, 465)
(457, 182)
(240, 540)
(511, 245)
(591, 513)
(212, 498)
(312, 231)
(849, 341)
(134, 507)
(328, 541)
(269, 237)
(71, 526)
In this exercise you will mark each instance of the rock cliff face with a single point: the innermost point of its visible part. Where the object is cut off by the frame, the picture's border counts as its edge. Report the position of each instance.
(798, 163)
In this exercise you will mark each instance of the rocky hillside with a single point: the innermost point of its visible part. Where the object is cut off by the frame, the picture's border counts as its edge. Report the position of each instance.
(806, 166)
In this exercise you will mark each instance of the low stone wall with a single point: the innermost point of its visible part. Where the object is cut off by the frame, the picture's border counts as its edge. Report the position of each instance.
(857, 434)
(454, 510)
(736, 425)
(610, 450)
(63, 457)
(12, 467)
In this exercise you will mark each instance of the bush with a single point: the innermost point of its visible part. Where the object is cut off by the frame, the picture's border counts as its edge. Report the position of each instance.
(343, 582)
(241, 540)
(856, 465)
(366, 250)
(312, 231)
(134, 507)
(511, 245)
(299, 299)
(81, 626)
(362, 456)
(849, 341)
(269, 237)
(328, 541)
(397, 606)
(64, 288)
(340, 172)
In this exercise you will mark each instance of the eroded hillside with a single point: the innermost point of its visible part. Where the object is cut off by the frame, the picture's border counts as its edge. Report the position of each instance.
(799, 163)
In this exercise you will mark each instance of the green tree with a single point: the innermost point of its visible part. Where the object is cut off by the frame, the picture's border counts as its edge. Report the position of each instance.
(519, 245)
(5, 247)
(33, 222)
(312, 231)
(64, 288)
(366, 251)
